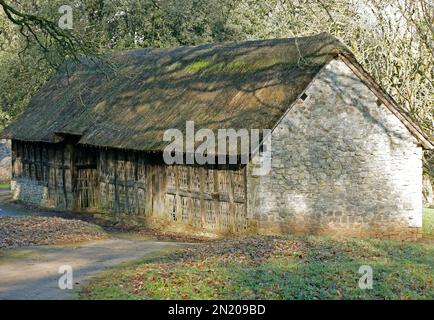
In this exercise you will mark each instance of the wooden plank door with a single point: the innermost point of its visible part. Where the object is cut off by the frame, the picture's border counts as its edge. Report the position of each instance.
(86, 179)
(87, 188)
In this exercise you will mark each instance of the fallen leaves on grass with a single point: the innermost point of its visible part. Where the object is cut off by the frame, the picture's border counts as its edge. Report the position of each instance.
(276, 268)
(28, 231)
(202, 266)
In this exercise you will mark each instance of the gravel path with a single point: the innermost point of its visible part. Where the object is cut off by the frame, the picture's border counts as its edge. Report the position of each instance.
(32, 273)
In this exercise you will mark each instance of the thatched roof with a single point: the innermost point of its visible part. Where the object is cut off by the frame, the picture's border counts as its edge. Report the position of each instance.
(231, 85)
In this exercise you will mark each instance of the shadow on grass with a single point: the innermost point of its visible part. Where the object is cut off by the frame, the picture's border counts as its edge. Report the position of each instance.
(277, 268)
(329, 270)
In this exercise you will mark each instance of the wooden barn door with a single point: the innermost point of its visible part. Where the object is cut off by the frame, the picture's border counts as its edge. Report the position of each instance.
(86, 179)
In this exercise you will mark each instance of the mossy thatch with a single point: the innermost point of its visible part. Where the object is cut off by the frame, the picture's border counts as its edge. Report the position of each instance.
(231, 85)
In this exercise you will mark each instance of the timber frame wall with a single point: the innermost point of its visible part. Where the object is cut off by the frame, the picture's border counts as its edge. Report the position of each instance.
(42, 174)
(129, 184)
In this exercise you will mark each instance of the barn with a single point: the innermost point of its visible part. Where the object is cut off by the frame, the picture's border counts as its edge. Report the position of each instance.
(345, 158)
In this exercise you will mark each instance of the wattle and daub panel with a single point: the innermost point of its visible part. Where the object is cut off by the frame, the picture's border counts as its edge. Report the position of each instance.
(213, 199)
(44, 171)
(86, 179)
(122, 182)
(132, 183)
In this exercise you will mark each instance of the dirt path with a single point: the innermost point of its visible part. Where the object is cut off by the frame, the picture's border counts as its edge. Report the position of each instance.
(32, 272)
(6, 208)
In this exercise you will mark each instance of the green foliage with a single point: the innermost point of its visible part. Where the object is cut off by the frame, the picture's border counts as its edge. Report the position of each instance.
(5, 185)
(20, 79)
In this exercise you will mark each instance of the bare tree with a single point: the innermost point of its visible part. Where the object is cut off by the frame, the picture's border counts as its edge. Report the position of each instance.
(56, 44)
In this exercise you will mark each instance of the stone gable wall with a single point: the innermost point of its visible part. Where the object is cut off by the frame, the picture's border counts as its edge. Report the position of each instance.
(342, 164)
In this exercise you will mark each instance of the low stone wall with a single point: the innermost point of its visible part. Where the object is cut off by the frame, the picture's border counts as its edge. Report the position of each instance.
(30, 192)
(347, 226)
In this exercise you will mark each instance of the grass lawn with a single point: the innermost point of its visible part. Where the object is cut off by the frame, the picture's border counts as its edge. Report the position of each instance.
(276, 268)
(5, 185)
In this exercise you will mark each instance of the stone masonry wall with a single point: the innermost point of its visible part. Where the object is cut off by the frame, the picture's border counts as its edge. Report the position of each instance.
(31, 192)
(342, 164)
